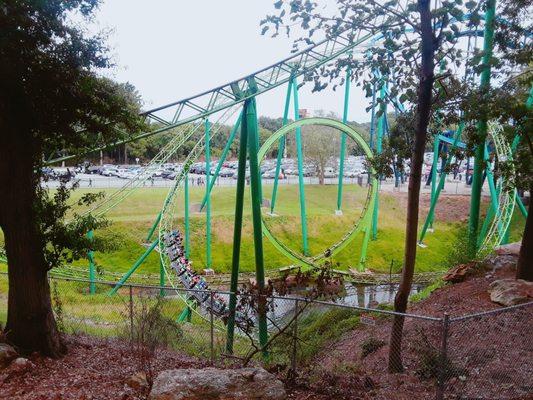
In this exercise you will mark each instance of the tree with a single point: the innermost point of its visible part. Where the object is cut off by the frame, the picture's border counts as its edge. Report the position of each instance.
(416, 37)
(320, 143)
(51, 98)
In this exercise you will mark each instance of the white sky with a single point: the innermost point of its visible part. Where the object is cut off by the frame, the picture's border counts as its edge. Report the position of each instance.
(172, 49)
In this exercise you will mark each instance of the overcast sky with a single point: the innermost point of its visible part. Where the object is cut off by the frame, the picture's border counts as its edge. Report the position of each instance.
(172, 49)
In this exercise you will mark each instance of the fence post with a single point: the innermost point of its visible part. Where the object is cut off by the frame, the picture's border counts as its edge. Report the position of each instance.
(212, 326)
(294, 338)
(443, 357)
(131, 311)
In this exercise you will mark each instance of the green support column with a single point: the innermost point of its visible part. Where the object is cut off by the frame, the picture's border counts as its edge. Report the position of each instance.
(379, 142)
(222, 159)
(250, 114)
(161, 278)
(186, 314)
(208, 202)
(343, 140)
(153, 228)
(477, 179)
(134, 267)
(281, 146)
(237, 230)
(434, 167)
(440, 186)
(372, 121)
(92, 267)
(186, 216)
(303, 218)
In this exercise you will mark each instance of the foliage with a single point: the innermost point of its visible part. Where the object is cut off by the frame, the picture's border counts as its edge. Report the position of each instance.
(433, 364)
(371, 345)
(51, 76)
(150, 329)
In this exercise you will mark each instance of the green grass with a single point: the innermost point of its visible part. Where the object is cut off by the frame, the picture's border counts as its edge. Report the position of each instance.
(132, 220)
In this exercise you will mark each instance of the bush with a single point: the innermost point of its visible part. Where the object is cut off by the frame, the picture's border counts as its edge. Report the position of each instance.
(371, 345)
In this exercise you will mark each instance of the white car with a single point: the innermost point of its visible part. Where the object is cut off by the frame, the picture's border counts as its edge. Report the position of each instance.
(109, 171)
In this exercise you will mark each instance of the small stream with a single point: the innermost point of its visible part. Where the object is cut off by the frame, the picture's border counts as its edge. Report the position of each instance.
(358, 295)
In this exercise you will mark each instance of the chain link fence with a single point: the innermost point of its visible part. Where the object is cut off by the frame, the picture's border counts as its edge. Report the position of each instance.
(336, 346)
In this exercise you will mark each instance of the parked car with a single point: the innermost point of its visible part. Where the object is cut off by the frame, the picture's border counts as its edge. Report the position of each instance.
(109, 171)
(271, 174)
(94, 169)
(226, 172)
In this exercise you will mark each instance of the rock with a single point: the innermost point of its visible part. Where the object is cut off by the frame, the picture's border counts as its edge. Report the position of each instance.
(213, 384)
(496, 262)
(21, 365)
(137, 381)
(508, 249)
(7, 354)
(460, 272)
(508, 292)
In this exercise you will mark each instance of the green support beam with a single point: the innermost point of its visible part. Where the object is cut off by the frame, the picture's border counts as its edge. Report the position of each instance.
(281, 146)
(342, 150)
(161, 278)
(250, 114)
(186, 217)
(141, 259)
(153, 228)
(207, 194)
(186, 314)
(440, 186)
(379, 142)
(479, 161)
(303, 218)
(434, 167)
(237, 232)
(92, 266)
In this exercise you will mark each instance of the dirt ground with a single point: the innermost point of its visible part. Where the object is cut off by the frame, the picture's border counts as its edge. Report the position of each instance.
(94, 368)
(450, 208)
(489, 357)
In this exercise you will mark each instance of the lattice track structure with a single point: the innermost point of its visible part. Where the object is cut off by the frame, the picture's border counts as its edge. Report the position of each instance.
(506, 200)
(502, 198)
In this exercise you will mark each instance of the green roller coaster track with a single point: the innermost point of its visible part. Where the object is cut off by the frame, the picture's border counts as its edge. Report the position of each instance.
(363, 222)
(188, 115)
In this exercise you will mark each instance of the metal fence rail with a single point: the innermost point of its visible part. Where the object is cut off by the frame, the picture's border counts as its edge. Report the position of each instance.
(488, 355)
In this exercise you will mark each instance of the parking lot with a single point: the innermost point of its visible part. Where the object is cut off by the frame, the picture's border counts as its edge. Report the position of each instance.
(116, 176)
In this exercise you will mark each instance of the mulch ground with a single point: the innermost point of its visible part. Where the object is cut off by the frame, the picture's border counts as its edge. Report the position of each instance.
(489, 358)
(94, 368)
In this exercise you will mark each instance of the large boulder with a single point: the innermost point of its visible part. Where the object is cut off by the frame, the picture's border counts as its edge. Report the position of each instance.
(213, 384)
(509, 292)
(7, 354)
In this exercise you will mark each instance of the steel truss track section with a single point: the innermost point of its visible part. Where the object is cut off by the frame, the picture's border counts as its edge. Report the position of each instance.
(506, 198)
(170, 206)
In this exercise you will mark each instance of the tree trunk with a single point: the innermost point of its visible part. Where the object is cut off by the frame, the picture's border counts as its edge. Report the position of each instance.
(423, 112)
(524, 268)
(31, 325)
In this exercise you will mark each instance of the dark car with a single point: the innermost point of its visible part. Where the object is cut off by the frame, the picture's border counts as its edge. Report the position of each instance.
(94, 169)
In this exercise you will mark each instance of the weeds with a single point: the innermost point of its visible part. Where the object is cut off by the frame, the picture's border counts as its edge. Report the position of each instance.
(148, 330)
(371, 345)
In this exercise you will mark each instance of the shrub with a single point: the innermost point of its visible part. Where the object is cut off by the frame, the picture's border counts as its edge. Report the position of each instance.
(371, 345)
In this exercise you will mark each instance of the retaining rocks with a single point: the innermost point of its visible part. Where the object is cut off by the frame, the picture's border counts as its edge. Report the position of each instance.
(217, 384)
